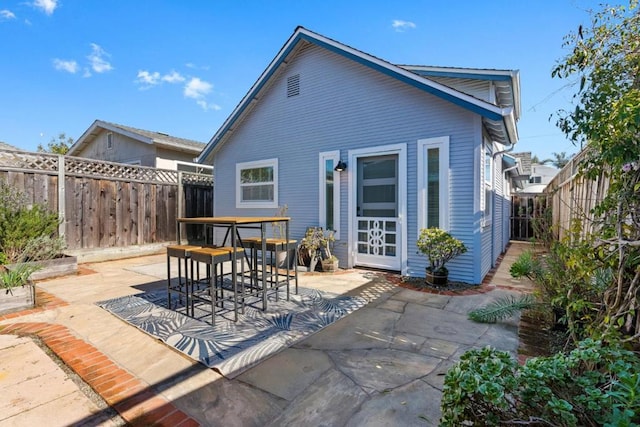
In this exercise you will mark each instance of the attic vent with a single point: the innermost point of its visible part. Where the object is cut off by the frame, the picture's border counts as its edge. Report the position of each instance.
(293, 85)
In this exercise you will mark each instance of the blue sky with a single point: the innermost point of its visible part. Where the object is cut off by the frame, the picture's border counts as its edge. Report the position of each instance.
(180, 67)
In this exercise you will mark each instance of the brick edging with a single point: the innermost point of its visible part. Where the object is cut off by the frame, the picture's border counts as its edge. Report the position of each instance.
(134, 400)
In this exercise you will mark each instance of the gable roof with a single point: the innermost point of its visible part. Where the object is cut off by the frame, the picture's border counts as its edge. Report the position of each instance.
(149, 137)
(506, 82)
(5, 146)
(525, 160)
(500, 120)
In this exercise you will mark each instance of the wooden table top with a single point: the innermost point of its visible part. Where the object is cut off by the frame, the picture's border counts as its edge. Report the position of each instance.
(232, 219)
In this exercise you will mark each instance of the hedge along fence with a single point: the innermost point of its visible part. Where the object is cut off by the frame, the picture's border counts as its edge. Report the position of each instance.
(105, 204)
(573, 197)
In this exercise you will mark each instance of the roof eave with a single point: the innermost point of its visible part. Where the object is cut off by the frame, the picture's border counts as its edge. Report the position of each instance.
(468, 102)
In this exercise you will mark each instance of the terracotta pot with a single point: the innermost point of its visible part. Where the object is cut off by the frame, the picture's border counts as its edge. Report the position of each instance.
(436, 278)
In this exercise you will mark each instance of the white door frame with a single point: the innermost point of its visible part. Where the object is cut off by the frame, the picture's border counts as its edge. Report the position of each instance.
(353, 155)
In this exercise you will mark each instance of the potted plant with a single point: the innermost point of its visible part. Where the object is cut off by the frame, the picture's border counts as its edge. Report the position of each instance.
(316, 247)
(439, 247)
(330, 264)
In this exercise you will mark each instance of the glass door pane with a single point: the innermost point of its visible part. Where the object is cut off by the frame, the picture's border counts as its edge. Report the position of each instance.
(378, 186)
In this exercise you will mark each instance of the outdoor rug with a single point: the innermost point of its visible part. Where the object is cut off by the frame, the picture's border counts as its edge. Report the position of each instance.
(233, 347)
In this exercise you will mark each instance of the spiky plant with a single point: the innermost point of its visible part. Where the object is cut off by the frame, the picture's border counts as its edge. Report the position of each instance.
(502, 308)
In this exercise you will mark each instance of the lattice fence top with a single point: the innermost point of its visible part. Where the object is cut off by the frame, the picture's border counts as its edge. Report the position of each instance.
(197, 178)
(85, 167)
(26, 160)
(96, 169)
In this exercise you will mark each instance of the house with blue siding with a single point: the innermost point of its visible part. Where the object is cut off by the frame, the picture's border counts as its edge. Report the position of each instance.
(418, 146)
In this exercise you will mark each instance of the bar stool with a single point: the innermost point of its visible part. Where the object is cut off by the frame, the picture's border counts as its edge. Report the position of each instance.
(182, 253)
(274, 247)
(214, 258)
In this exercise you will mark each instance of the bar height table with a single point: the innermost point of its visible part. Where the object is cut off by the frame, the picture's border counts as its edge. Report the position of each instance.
(233, 223)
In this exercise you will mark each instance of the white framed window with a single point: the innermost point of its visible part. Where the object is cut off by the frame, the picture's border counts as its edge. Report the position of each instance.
(257, 184)
(329, 203)
(487, 184)
(433, 183)
(109, 140)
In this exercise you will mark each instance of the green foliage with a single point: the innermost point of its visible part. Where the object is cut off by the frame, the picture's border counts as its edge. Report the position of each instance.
(61, 145)
(571, 279)
(17, 276)
(544, 231)
(26, 231)
(605, 59)
(439, 247)
(527, 265)
(317, 243)
(502, 308)
(592, 385)
(561, 159)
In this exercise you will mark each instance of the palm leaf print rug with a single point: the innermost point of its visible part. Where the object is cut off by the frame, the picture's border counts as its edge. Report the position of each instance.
(233, 347)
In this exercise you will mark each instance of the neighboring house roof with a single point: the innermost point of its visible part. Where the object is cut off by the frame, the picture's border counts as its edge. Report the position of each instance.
(525, 160)
(4, 146)
(500, 120)
(533, 189)
(149, 137)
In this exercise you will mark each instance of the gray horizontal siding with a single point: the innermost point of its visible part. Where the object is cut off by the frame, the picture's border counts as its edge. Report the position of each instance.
(476, 88)
(343, 106)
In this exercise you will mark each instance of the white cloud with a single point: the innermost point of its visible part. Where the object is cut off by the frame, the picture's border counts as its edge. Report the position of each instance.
(206, 106)
(6, 15)
(147, 79)
(97, 59)
(196, 67)
(173, 77)
(47, 6)
(68, 66)
(401, 26)
(197, 89)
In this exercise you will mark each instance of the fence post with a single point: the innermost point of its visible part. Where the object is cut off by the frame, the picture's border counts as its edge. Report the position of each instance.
(62, 228)
(180, 205)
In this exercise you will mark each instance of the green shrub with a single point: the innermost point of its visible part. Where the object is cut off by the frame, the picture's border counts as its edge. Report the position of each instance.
(27, 232)
(592, 385)
(572, 279)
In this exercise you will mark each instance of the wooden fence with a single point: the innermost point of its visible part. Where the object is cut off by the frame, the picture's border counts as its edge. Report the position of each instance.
(573, 197)
(105, 204)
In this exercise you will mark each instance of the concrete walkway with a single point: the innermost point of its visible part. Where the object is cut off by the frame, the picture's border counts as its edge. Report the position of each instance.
(382, 365)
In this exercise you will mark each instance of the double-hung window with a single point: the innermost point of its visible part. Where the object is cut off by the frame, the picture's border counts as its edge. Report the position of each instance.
(329, 212)
(257, 184)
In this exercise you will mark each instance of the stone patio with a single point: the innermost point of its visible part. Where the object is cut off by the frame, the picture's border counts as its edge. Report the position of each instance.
(381, 365)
